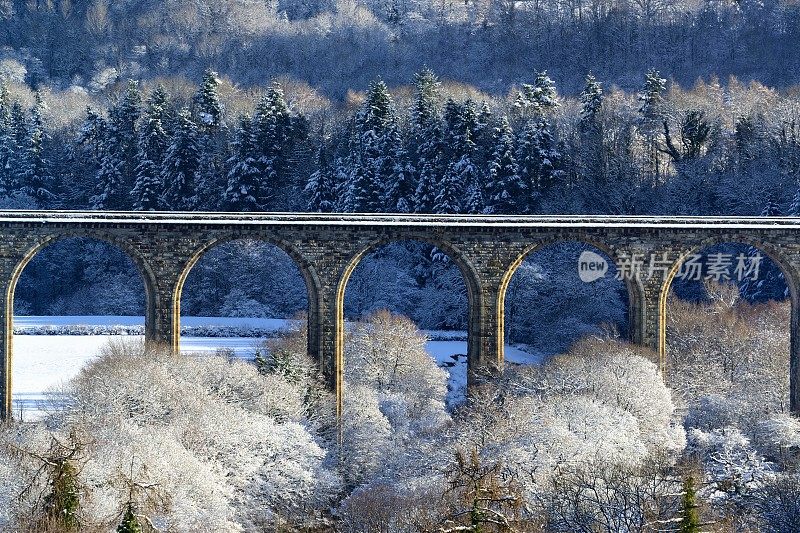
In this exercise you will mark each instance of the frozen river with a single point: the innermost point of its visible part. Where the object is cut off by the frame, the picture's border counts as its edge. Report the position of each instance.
(43, 362)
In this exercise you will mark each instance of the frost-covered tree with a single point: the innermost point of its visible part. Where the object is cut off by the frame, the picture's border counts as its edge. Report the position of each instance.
(537, 99)
(651, 111)
(378, 159)
(273, 133)
(33, 169)
(247, 189)
(179, 169)
(426, 132)
(212, 136)
(116, 175)
(507, 193)
(539, 162)
(209, 464)
(364, 192)
(207, 106)
(153, 143)
(591, 155)
(321, 188)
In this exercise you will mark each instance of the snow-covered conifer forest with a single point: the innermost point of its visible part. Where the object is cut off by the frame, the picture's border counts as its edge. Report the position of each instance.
(407, 106)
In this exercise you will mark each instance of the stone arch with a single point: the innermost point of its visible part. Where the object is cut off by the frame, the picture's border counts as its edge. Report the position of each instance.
(144, 268)
(791, 276)
(307, 271)
(633, 286)
(468, 273)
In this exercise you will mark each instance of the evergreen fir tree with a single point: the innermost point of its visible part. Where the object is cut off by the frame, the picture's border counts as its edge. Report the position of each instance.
(399, 187)
(537, 99)
(794, 207)
(651, 111)
(212, 140)
(247, 188)
(377, 153)
(35, 179)
(426, 133)
(475, 202)
(92, 135)
(62, 503)
(321, 186)
(272, 136)
(507, 192)
(652, 95)
(591, 103)
(590, 128)
(179, 171)
(772, 209)
(425, 195)
(130, 522)
(116, 175)
(153, 143)
(110, 180)
(538, 160)
(208, 109)
(19, 137)
(449, 192)
(123, 118)
(363, 192)
(7, 147)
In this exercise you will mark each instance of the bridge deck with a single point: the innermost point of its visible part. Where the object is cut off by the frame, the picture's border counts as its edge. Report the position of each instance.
(383, 219)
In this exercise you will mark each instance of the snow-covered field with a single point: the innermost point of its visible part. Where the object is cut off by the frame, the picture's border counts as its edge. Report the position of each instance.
(45, 361)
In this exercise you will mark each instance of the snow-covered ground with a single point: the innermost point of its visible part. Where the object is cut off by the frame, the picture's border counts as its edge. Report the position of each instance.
(45, 361)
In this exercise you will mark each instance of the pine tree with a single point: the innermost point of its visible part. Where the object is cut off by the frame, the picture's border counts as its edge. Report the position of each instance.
(321, 186)
(794, 207)
(153, 143)
(425, 194)
(590, 129)
(538, 160)
(425, 111)
(537, 99)
(207, 106)
(179, 171)
(378, 158)
(272, 137)
(651, 111)
(652, 95)
(449, 192)
(62, 503)
(123, 118)
(34, 175)
(130, 522)
(7, 147)
(591, 102)
(475, 203)
(19, 137)
(426, 133)
(247, 189)
(363, 191)
(399, 188)
(116, 175)
(507, 192)
(690, 518)
(212, 140)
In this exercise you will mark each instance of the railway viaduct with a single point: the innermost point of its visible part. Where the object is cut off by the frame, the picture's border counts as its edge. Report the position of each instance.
(327, 247)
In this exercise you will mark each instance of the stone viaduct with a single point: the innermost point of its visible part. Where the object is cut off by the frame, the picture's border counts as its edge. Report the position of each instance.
(327, 247)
